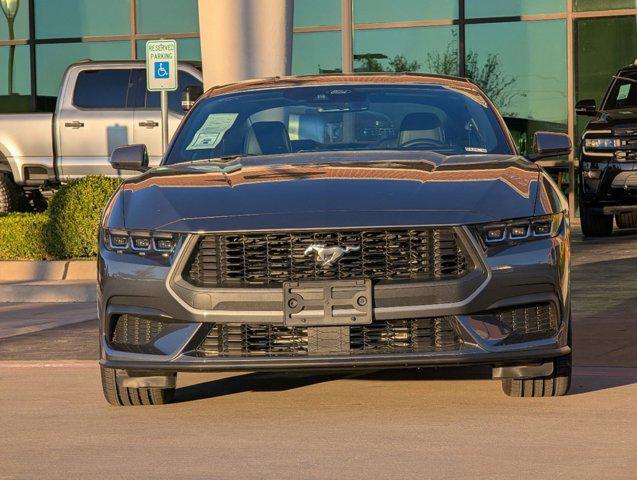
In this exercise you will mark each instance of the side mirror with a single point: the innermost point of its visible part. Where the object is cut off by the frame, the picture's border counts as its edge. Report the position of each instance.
(130, 157)
(190, 95)
(550, 144)
(587, 108)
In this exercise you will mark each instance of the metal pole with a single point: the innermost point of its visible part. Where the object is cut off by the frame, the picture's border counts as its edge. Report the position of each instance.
(164, 121)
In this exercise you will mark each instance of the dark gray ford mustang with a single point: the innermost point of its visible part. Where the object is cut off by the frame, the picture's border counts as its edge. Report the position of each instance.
(336, 222)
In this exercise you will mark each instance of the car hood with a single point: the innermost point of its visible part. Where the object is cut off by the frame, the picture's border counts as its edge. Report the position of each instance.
(328, 190)
(610, 119)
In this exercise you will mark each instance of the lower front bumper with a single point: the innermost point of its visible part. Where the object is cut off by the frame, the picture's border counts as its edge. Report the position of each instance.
(332, 362)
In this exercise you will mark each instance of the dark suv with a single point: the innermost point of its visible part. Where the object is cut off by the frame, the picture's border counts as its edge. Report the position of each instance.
(608, 158)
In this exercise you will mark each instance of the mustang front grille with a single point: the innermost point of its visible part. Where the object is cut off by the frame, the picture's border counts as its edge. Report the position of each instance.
(269, 259)
(391, 336)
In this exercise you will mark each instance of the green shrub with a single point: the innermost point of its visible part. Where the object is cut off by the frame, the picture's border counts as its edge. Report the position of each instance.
(23, 236)
(74, 216)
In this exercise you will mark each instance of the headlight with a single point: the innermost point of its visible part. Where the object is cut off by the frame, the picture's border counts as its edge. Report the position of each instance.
(140, 241)
(602, 143)
(546, 226)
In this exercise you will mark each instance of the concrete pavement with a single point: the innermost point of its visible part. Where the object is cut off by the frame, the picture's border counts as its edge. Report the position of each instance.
(390, 425)
(449, 423)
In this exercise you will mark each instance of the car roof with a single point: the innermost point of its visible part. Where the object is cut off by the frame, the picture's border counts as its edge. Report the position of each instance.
(142, 63)
(340, 79)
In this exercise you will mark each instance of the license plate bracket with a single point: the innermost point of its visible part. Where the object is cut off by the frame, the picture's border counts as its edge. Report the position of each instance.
(329, 302)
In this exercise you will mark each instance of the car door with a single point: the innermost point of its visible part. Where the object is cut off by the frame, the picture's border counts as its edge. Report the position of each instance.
(147, 121)
(93, 120)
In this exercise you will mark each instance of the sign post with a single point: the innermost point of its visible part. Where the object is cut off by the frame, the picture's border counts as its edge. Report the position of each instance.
(161, 76)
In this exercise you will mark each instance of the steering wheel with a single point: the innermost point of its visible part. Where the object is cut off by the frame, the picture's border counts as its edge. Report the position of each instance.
(424, 142)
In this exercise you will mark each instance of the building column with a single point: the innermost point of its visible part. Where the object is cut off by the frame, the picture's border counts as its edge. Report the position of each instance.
(244, 39)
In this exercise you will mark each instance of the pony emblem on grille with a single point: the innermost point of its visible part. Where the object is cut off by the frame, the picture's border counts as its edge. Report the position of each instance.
(326, 256)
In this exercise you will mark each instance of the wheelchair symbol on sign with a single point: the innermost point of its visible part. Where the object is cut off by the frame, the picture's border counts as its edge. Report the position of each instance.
(162, 70)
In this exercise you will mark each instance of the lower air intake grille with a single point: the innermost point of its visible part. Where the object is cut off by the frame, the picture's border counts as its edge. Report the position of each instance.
(135, 334)
(391, 336)
(269, 259)
(525, 323)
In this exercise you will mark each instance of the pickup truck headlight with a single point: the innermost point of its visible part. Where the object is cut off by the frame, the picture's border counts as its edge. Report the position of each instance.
(141, 242)
(602, 143)
(523, 229)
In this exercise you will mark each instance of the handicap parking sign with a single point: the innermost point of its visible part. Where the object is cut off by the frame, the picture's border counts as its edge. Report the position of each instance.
(161, 65)
(162, 70)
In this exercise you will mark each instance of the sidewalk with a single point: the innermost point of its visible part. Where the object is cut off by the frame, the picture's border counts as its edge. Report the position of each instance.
(24, 318)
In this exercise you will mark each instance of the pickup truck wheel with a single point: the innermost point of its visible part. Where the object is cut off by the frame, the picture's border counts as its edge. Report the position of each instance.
(595, 225)
(9, 194)
(555, 385)
(627, 220)
(115, 395)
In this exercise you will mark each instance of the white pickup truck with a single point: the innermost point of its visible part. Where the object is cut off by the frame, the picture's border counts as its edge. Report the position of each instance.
(101, 105)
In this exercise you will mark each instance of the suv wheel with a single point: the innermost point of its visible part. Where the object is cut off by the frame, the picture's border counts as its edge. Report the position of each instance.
(627, 220)
(555, 385)
(121, 396)
(9, 194)
(595, 225)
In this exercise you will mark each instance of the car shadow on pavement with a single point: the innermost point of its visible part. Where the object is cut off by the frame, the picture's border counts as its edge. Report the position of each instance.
(253, 382)
(593, 379)
(585, 380)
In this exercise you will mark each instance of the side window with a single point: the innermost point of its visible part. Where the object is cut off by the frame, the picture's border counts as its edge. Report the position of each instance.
(174, 98)
(102, 88)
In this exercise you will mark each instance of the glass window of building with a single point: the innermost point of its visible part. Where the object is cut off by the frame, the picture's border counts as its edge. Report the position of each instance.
(602, 47)
(522, 67)
(81, 18)
(510, 8)
(310, 13)
(380, 11)
(167, 16)
(316, 52)
(415, 49)
(15, 79)
(587, 5)
(14, 24)
(53, 59)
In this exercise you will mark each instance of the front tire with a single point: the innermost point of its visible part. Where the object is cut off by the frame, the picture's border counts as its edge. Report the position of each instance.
(555, 385)
(121, 396)
(9, 194)
(626, 220)
(594, 225)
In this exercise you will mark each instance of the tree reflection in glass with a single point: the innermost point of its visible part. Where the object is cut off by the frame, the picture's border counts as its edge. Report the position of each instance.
(10, 10)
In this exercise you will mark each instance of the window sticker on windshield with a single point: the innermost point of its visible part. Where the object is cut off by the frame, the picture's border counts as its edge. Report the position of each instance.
(212, 130)
(624, 91)
(476, 149)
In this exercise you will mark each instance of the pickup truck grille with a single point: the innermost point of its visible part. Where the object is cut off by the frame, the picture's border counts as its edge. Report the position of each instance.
(269, 259)
(379, 337)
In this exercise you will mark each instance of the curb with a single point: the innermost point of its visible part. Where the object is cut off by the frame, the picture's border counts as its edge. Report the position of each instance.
(61, 270)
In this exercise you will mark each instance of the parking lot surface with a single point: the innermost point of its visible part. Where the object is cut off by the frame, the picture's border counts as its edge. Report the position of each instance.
(446, 423)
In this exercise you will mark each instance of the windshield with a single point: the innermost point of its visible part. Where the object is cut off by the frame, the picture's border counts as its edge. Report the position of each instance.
(434, 118)
(623, 94)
